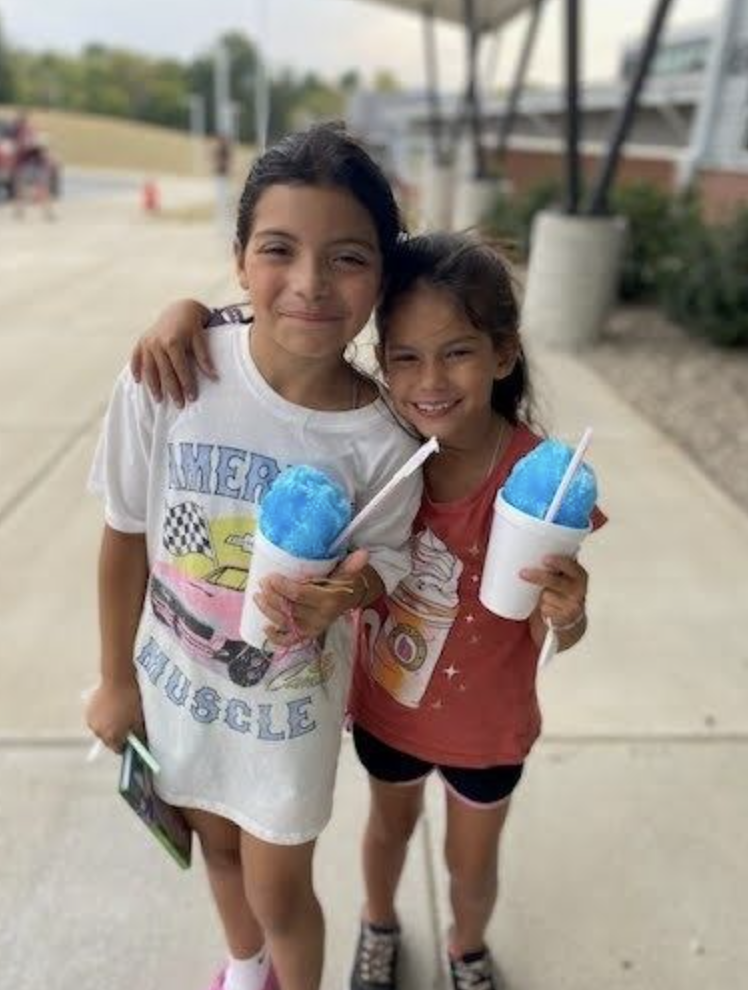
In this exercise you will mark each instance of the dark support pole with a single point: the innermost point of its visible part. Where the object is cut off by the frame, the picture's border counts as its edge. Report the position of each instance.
(432, 83)
(472, 99)
(625, 118)
(518, 82)
(573, 171)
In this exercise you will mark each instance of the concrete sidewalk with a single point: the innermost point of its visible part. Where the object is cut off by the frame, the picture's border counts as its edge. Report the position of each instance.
(626, 858)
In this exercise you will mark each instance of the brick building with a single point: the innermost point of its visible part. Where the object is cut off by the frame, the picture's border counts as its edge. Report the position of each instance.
(691, 125)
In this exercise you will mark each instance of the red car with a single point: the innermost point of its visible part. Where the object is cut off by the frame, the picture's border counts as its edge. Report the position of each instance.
(7, 158)
(15, 152)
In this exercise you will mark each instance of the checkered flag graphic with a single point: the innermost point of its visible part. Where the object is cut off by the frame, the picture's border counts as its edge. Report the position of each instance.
(186, 531)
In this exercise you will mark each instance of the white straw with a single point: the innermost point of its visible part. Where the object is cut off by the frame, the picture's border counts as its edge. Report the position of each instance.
(550, 646)
(550, 643)
(571, 470)
(94, 751)
(412, 464)
(96, 747)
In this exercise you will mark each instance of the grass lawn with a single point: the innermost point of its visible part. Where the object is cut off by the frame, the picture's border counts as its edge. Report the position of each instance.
(92, 141)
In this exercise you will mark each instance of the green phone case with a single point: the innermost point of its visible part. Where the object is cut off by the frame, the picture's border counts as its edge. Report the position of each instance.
(163, 821)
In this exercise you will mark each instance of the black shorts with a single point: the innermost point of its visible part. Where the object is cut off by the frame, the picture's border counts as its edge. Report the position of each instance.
(484, 786)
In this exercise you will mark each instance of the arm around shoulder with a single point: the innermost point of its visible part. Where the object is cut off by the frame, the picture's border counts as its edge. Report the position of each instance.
(165, 357)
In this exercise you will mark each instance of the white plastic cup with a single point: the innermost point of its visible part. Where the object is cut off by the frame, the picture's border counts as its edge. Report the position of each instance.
(269, 559)
(518, 540)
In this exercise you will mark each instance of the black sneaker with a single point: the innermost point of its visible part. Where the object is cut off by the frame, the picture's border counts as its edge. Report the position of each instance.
(474, 971)
(375, 965)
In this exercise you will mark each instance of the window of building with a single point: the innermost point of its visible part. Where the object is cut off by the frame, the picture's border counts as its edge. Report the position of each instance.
(675, 59)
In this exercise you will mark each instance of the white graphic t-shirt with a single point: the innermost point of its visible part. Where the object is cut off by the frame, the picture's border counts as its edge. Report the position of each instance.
(247, 736)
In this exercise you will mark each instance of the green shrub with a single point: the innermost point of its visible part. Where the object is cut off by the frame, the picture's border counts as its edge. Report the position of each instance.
(698, 274)
(500, 220)
(704, 286)
(652, 233)
(509, 218)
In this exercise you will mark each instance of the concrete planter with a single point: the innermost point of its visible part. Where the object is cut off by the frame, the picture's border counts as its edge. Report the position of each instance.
(572, 278)
(437, 197)
(472, 199)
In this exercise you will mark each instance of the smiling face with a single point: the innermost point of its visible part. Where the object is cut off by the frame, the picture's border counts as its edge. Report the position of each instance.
(440, 369)
(312, 268)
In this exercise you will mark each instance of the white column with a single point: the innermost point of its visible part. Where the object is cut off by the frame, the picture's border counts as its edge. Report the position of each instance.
(708, 108)
(572, 278)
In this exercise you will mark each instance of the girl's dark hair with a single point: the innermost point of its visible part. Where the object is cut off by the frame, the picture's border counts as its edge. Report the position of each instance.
(475, 277)
(324, 155)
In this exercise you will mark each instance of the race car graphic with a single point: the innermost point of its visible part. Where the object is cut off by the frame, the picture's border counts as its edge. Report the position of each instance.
(204, 614)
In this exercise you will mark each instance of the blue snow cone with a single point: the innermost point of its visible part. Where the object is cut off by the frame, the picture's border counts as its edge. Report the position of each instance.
(304, 511)
(535, 478)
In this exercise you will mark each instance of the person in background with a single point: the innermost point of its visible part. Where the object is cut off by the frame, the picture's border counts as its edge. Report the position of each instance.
(35, 176)
(222, 160)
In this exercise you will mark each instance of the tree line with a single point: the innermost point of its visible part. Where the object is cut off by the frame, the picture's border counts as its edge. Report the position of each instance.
(122, 83)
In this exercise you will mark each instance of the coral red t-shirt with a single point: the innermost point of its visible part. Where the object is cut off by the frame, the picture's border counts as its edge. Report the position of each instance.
(437, 675)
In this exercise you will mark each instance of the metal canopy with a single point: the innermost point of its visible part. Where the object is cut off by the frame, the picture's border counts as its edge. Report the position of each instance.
(489, 14)
(478, 17)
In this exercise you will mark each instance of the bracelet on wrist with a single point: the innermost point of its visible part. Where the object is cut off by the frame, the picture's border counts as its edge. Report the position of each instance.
(572, 625)
(364, 594)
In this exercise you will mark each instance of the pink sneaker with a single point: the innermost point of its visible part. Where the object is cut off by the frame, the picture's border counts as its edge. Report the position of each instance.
(271, 981)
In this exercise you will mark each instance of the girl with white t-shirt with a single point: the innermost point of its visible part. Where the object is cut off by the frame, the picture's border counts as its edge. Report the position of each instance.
(248, 745)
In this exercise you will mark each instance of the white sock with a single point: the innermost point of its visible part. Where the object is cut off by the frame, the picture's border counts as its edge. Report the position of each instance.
(248, 974)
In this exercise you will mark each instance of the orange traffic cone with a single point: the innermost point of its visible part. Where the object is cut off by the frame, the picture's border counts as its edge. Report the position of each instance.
(151, 198)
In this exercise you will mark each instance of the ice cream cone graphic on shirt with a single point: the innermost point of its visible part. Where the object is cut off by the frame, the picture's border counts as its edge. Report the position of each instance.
(422, 610)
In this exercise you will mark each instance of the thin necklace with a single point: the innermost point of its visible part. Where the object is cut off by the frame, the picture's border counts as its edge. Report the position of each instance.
(497, 448)
(496, 451)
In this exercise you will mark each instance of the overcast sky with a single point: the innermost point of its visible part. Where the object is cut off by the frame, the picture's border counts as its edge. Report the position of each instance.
(328, 36)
